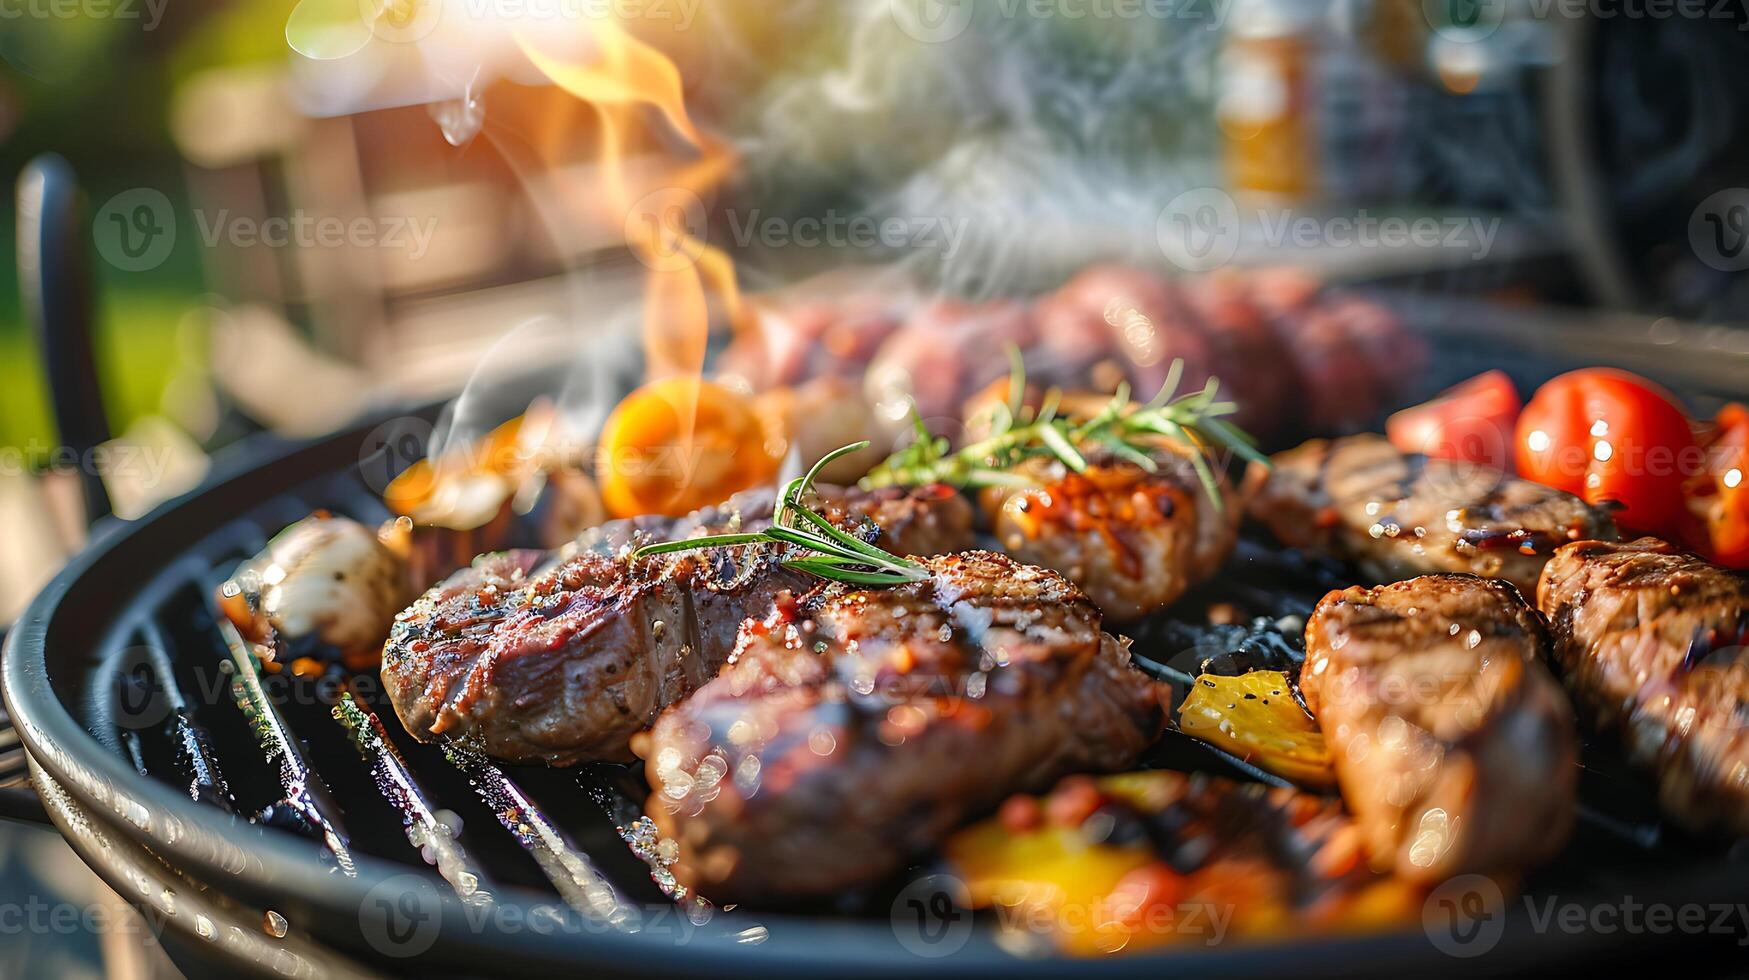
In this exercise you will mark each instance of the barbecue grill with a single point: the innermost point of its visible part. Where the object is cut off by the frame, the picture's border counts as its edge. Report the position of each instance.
(288, 825)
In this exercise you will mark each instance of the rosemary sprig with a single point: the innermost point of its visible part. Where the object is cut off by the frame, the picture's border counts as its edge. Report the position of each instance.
(1119, 428)
(825, 550)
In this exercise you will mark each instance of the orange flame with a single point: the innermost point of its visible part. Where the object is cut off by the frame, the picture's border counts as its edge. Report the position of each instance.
(659, 203)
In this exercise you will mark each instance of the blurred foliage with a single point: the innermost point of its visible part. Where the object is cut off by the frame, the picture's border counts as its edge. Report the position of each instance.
(99, 92)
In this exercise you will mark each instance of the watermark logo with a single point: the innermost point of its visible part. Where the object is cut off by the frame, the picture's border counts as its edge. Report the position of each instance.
(401, 916)
(1199, 229)
(390, 448)
(137, 696)
(1465, 917)
(401, 21)
(932, 916)
(1718, 230)
(135, 230)
(932, 21)
(1464, 20)
(668, 228)
(849, 230)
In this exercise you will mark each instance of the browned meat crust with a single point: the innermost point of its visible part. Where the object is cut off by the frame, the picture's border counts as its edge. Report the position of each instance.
(1453, 745)
(564, 664)
(1398, 515)
(1652, 641)
(1135, 541)
(853, 732)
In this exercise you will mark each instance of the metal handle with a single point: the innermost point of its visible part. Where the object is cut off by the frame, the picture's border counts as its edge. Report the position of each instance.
(54, 276)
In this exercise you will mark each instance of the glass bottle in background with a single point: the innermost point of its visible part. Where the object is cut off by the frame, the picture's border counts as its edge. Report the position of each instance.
(1264, 110)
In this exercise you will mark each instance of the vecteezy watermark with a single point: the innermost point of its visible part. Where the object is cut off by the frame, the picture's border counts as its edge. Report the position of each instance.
(136, 230)
(1466, 917)
(36, 917)
(1718, 230)
(836, 229)
(1201, 229)
(148, 13)
(938, 21)
(141, 465)
(403, 917)
(932, 916)
(301, 229)
(1476, 20)
(669, 228)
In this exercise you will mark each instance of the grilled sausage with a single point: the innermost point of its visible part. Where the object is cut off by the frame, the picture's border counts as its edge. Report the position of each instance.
(850, 733)
(1453, 745)
(562, 664)
(1652, 641)
(1134, 540)
(1398, 515)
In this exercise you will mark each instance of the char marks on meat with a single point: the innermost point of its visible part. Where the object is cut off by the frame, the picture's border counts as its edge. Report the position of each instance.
(1397, 515)
(1453, 745)
(1651, 640)
(856, 731)
(1134, 540)
(564, 663)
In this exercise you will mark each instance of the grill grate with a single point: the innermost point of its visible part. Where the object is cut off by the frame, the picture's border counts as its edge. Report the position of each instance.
(312, 756)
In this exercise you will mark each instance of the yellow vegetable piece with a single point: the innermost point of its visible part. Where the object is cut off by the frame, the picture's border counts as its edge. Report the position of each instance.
(1255, 717)
(679, 444)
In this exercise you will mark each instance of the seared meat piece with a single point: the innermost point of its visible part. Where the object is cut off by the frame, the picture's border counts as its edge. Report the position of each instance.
(1112, 323)
(563, 665)
(806, 339)
(858, 729)
(1134, 540)
(1453, 745)
(1350, 355)
(928, 520)
(1398, 515)
(946, 350)
(1652, 641)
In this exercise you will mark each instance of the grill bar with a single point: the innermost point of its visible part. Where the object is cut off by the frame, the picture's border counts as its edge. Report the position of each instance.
(306, 796)
(426, 831)
(579, 883)
(198, 765)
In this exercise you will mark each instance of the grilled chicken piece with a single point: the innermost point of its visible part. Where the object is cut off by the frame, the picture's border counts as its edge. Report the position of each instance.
(1398, 515)
(1652, 641)
(563, 663)
(1453, 745)
(857, 729)
(1133, 540)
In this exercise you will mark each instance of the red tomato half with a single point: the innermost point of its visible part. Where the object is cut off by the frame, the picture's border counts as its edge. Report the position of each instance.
(1721, 496)
(1611, 437)
(1472, 422)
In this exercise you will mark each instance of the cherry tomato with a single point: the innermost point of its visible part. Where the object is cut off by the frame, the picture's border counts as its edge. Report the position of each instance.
(679, 444)
(1472, 422)
(1609, 436)
(1720, 496)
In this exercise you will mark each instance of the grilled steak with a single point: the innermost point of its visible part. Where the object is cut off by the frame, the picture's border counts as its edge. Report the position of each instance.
(1135, 541)
(860, 727)
(563, 663)
(1453, 745)
(1652, 641)
(1398, 515)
